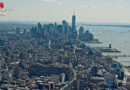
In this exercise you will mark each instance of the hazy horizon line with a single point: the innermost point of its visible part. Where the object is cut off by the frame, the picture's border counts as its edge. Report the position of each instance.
(78, 22)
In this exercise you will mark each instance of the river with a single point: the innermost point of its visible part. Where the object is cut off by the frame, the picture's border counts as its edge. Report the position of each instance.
(116, 35)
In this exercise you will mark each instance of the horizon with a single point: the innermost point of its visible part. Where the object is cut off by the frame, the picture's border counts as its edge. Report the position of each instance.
(60, 22)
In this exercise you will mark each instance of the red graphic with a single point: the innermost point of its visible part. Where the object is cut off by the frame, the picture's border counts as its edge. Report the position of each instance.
(2, 7)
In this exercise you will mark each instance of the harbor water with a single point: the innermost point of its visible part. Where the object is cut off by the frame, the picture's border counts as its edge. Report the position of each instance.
(118, 36)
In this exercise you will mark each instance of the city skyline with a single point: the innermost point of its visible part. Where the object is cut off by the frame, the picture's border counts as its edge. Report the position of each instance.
(109, 11)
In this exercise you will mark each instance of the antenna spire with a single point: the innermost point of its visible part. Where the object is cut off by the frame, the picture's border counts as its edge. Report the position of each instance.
(74, 12)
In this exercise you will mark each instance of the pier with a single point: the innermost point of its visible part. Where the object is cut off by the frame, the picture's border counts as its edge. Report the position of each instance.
(118, 56)
(107, 49)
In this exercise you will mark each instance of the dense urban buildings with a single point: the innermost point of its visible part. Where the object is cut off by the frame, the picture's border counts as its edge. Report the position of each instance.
(54, 57)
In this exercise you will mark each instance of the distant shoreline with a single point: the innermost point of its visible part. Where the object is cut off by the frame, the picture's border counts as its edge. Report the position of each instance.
(95, 41)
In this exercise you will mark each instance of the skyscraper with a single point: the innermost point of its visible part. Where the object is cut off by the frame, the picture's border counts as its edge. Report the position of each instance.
(73, 23)
(39, 26)
(73, 30)
(65, 27)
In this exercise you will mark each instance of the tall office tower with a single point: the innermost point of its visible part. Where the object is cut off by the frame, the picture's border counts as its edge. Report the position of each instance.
(81, 31)
(73, 23)
(65, 27)
(39, 26)
(73, 31)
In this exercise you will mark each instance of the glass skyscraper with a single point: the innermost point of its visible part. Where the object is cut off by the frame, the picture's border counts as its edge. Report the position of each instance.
(73, 23)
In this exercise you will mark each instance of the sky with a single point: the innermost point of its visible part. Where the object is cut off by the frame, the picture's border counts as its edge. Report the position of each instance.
(109, 11)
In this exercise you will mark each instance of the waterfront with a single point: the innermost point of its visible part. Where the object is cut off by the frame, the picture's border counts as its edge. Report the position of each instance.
(115, 35)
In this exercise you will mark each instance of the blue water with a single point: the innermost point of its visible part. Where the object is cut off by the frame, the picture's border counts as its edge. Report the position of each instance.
(119, 37)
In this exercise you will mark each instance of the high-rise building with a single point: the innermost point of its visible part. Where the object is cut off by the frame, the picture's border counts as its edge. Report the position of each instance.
(81, 31)
(73, 23)
(65, 27)
(39, 26)
(73, 30)
(59, 28)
